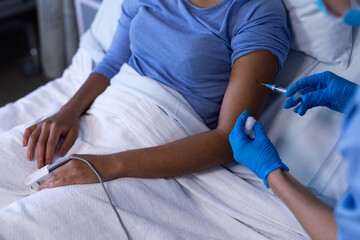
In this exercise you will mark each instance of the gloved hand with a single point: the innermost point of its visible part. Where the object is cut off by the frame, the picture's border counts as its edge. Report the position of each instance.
(259, 155)
(323, 89)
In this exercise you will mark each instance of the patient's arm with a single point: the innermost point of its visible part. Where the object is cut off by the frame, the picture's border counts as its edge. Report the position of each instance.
(45, 135)
(193, 153)
(211, 148)
(315, 216)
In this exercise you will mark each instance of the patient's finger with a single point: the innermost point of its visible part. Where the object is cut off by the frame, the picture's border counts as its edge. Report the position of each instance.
(68, 141)
(58, 178)
(56, 183)
(41, 146)
(51, 177)
(51, 144)
(48, 181)
(27, 134)
(32, 143)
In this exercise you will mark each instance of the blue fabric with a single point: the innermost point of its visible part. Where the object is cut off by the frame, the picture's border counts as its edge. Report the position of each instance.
(347, 211)
(192, 49)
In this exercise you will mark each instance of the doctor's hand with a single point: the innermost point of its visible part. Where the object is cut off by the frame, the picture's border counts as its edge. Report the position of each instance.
(259, 155)
(323, 89)
(78, 172)
(45, 135)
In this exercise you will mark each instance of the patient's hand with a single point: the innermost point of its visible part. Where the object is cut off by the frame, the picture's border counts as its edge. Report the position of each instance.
(45, 135)
(78, 172)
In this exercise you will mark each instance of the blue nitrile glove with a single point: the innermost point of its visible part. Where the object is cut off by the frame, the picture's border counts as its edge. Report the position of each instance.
(259, 155)
(322, 89)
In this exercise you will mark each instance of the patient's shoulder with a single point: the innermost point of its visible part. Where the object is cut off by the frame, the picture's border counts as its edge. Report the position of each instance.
(246, 14)
(275, 6)
(131, 7)
(250, 9)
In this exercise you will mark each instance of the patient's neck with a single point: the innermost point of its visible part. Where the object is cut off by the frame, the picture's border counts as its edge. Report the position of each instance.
(204, 3)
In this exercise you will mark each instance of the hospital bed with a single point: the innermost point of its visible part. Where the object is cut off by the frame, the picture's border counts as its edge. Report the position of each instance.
(225, 202)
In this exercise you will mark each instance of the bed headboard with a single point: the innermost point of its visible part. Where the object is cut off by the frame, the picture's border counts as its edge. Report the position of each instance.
(85, 13)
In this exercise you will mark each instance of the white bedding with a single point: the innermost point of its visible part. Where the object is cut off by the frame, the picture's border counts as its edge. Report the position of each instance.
(214, 204)
(226, 202)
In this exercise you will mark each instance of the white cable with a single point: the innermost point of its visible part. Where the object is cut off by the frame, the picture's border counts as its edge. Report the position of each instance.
(111, 202)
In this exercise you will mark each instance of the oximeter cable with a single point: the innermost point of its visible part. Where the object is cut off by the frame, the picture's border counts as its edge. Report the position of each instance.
(111, 202)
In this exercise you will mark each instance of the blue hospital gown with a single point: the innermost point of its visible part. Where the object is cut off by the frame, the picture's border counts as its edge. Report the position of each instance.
(347, 211)
(192, 49)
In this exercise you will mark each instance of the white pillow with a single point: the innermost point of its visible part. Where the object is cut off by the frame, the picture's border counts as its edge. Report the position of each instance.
(324, 38)
(105, 23)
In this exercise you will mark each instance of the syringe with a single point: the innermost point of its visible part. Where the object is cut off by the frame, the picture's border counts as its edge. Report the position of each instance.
(282, 90)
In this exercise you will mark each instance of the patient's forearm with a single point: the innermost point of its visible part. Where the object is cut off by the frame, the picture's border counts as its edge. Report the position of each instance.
(211, 148)
(181, 157)
(315, 216)
(89, 91)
